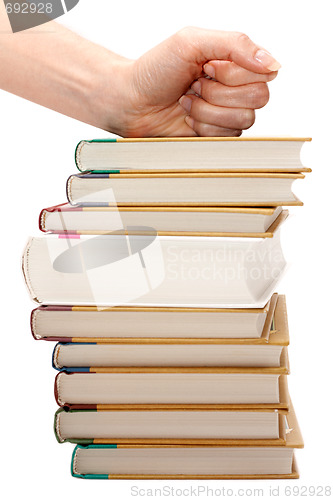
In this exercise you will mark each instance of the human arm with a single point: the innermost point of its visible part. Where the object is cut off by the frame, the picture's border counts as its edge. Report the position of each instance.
(57, 68)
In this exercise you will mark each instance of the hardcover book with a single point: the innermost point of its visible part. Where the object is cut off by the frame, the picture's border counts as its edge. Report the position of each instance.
(152, 270)
(73, 355)
(244, 387)
(190, 221)
(187, 154)
(210, 426)
(183, 189)
(162, 325)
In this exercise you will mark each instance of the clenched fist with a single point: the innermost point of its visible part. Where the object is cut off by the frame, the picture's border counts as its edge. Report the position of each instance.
(197, 82)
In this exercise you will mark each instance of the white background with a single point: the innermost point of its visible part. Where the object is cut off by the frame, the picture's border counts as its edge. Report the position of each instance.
(36, 154)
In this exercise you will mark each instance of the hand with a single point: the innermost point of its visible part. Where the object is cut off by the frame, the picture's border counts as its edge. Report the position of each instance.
(167, 92)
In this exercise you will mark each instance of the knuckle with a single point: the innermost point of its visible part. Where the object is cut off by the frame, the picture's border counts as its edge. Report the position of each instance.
(260, 95)
(229, 74)
(186, 33)
(246, 118)
(241, 38)
(207, 91)
(203, 129)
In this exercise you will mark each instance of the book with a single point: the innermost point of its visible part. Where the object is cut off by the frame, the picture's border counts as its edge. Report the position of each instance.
(172, 461)
(72, 355)
(199, 153)
(161, 324)
(153, 270)
(169, 386)
(207, 221)
(169, 426)
(183, 189)
(180, 462)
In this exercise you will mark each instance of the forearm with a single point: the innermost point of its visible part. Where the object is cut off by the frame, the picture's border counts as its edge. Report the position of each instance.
(54, 67)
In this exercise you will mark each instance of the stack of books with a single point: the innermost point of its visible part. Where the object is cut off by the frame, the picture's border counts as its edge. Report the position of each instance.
(158, 281)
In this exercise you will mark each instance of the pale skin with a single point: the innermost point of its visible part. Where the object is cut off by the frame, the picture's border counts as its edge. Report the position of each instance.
(196, 83)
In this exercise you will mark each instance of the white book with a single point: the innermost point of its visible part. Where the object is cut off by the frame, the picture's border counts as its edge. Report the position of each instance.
(152, 270)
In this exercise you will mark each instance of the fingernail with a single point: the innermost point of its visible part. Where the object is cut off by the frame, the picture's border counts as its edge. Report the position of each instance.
(190, 121)
(185, 103)
(267, 60)
(196, 86)
(209, 70)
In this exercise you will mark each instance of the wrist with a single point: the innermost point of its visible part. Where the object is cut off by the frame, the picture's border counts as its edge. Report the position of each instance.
(108, 94)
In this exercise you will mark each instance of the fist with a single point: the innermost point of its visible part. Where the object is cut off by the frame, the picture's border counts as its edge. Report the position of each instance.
(223, 101)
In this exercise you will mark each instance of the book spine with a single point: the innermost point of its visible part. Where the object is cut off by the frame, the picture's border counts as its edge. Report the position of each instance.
(57, 347)
(84, 143)
(56, 429)
(55, 208)
(33, 314)
(26, 271)
(69, 189)
(54, 357)
(74, 458)
(56, 391)
(56, 426)
(33, 327)
(77, 155)
(70, 199)
(65, 405)
(84, 476)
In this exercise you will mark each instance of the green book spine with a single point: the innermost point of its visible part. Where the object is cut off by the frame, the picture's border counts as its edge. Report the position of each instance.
(69, 440)
(111, 139)
(89, 476)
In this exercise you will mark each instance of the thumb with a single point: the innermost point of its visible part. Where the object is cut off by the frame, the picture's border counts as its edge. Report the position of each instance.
(231, 46)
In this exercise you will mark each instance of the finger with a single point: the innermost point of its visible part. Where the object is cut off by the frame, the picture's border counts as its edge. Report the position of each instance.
(207, 130)
(202, 111)
(231, 74)
(253, 95)
(228, 46)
